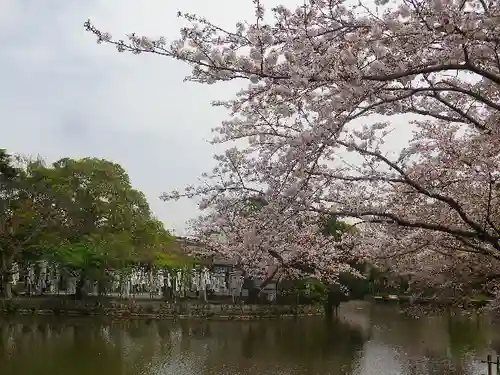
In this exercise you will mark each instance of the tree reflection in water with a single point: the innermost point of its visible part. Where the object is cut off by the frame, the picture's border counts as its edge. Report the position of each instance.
(304, 346)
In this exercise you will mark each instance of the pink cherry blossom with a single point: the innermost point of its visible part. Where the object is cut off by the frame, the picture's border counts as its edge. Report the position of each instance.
(328, 78)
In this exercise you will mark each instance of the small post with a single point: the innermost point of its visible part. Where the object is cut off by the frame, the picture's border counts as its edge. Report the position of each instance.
(489, 362)
(498, 365)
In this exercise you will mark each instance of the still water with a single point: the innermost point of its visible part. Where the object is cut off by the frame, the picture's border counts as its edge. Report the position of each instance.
(365, 340)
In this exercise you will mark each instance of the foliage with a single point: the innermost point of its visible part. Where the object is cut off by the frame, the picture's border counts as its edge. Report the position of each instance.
(101, 221)
(82, 214)
(353, 283)
(303, 291)
(96, 252)
(7, 170)
(173, 260)
(158, 248)
(335, 228)
(429, 210)
(91, 196)
(22, 218)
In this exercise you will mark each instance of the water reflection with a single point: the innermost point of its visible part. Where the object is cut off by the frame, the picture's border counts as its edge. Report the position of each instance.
(366, 340)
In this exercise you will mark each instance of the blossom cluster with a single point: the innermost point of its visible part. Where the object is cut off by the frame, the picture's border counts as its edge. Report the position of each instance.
(329, 79)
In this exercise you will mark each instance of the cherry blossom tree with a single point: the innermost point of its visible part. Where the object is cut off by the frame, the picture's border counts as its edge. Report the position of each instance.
(328, 79)
(269, 242)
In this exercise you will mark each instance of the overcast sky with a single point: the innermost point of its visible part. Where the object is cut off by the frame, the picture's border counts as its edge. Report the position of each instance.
(63, 95)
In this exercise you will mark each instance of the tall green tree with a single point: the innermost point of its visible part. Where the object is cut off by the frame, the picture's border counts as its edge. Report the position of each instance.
(101, 220)
(7, 170)
(83, 214)
(22, 219)
(157, 248)
(8, 176)
(91, 195)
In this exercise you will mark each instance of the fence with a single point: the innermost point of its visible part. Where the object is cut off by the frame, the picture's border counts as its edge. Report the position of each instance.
(493, 364)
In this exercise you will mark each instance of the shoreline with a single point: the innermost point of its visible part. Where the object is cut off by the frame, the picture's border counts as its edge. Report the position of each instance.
(466, 303)
(151, 309)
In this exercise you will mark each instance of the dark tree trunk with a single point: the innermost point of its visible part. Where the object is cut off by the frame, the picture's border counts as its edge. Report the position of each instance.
(167, 293)
(80, 292)
(5, 278)
(254, 290)
(102, 287)
(332, 304)
(253, 295)
(5, 285)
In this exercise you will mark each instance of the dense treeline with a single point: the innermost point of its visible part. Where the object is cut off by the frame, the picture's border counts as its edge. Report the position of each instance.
(82, 214)
(85, 216)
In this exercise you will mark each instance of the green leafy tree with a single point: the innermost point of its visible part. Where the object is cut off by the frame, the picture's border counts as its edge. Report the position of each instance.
(91, 196)
(157, 248)
(102, 222)
(23, 219)
(335, 228)
(7, 170)
(83, 214)
(9, 219)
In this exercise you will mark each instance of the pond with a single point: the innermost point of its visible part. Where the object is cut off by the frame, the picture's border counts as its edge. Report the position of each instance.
(366, 339)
